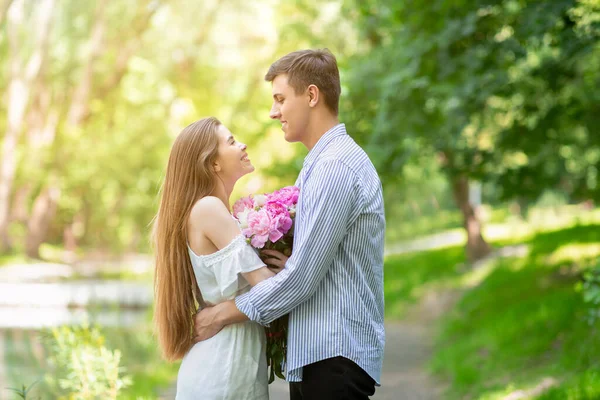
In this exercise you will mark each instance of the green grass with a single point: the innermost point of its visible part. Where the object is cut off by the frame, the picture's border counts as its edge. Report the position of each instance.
(13, 258)
(497, 222)
(408, 276)
(524, 322)
(584, 386)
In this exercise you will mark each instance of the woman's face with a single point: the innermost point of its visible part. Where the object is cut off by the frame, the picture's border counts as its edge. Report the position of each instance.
(232, 160)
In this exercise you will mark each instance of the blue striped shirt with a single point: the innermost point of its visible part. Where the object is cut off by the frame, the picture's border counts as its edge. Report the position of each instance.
(332, 285)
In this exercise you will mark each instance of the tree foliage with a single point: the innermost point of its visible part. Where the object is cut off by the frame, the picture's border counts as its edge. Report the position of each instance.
(96, 93)
(502, 91)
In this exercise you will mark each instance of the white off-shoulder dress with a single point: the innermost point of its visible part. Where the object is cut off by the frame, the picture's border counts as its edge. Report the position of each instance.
(231, 365)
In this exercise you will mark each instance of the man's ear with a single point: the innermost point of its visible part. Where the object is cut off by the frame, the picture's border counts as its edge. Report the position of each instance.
(313, 95)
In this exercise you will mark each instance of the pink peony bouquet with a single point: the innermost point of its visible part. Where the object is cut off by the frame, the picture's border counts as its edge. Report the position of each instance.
(267, 221)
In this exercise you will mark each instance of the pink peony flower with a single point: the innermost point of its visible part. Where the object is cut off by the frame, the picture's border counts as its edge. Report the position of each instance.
(259, 228)
(287, 196)
(265, 219)
(280, 220)
(242, 204)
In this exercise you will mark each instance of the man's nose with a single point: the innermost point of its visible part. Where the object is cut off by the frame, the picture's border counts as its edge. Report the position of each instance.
(274, 113)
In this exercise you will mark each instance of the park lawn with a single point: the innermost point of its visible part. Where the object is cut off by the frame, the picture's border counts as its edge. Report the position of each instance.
(522, 324)
(409, 276)
(12, 258)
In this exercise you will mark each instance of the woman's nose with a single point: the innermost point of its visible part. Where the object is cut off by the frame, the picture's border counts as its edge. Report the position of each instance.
(243, 146)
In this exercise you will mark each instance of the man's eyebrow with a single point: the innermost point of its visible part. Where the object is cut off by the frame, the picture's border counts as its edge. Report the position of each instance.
(277, 94)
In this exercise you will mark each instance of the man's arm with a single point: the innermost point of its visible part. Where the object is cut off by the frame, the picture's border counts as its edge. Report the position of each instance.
(210, 320)
(329, 205)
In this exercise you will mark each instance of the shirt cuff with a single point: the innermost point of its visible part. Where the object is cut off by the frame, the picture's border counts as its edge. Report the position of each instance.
(243, 304)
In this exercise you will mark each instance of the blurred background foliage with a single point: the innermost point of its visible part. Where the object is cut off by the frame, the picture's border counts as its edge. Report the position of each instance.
(441, 94)
(474, 113)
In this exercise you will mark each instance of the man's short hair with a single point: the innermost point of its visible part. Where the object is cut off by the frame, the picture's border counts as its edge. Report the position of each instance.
(310, 67)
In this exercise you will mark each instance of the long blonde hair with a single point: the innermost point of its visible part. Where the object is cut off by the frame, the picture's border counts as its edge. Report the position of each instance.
(189, 177)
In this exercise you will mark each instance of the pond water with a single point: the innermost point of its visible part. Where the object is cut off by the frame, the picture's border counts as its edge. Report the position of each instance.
(24, 357)
(28, 309)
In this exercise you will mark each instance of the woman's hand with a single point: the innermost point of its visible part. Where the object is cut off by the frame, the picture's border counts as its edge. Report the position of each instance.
(274, 259)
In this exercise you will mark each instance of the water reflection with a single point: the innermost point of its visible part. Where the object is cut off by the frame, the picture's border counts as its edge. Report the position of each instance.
(45, 317)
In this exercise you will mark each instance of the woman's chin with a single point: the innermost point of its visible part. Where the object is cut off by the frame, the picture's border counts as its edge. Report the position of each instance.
(248, 169)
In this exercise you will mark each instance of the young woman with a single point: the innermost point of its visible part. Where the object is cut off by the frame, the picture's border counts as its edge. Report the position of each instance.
(201, 256)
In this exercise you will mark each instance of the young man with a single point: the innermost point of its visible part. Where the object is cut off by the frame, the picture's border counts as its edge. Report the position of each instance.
(332, 285)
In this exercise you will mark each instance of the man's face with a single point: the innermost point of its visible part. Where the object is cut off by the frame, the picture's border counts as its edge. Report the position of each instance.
(291, 109)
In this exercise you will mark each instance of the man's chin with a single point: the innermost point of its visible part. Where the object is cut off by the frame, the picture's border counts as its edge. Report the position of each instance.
(290, 138)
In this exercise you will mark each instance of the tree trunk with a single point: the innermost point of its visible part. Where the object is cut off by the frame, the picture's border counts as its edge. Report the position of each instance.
(4, 6)
(20, 212)
(22, 77)
(415, 207)
(70, 242)
(435, 203)
(44, 208)
(477, 247)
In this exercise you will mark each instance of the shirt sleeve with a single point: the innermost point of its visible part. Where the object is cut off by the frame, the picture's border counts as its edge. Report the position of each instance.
(328, 206)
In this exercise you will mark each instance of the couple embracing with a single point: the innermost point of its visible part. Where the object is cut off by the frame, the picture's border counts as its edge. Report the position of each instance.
(332, 284)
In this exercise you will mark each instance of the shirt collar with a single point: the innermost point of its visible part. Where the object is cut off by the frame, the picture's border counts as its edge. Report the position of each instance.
(338, 130)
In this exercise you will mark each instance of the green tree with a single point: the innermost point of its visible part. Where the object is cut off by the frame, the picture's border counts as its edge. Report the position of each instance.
(487, 89)
(97, 92)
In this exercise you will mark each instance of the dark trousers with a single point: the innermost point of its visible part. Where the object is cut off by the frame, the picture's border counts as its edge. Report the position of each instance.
(333, 379)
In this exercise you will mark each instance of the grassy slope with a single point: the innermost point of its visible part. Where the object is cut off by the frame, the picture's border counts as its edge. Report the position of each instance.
(524, 322)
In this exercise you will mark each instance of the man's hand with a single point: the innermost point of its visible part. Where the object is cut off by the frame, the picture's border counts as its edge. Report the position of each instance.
(210, 320)
(274, 259)
(206, 324)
